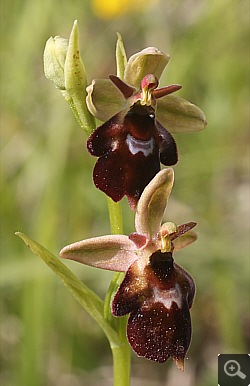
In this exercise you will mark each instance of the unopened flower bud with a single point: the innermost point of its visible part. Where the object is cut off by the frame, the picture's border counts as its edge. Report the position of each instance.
(54, 60)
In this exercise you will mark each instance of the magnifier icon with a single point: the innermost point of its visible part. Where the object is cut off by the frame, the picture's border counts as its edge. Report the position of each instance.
(232, 368)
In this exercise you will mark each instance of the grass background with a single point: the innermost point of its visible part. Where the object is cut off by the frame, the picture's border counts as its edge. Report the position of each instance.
(47, 190)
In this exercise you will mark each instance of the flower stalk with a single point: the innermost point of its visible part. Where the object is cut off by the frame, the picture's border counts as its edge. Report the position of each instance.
(122, 353)
(149, 297)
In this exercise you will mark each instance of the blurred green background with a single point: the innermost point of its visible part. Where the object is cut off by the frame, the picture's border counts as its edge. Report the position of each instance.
(47, 190)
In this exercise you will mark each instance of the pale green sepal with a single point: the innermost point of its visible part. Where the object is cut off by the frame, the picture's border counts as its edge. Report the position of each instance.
(148, 61)
(76, 81)
(104, 100)
(121, 58)
(54, 60)
(184, 240)
(87, 298)
(179, 116)
(152, 203)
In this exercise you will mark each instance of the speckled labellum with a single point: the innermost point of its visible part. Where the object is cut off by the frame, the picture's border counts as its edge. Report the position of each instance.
(158, 296)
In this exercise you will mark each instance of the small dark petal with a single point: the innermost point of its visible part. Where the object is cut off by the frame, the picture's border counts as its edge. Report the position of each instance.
(167, 145)
(182, 229)
(160, 92)
(139, 240)
(157, 333)
(125, 89)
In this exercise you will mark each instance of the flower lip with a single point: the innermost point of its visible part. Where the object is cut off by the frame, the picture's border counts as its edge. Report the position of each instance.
(140, 145)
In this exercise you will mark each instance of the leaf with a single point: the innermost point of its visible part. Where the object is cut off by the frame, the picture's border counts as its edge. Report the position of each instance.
(87, 298)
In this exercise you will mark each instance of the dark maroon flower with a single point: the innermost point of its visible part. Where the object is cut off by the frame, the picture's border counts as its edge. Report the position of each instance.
(135, 137)
(158, 295)
(130, 150)
(155, 291)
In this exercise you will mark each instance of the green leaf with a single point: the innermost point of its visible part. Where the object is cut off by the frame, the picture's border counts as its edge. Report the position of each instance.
(121, 58)
(87, 298)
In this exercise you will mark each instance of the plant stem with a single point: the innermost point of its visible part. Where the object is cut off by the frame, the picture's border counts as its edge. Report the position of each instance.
(121, 353)
(121, 358)
(121, 365)
(115, 216)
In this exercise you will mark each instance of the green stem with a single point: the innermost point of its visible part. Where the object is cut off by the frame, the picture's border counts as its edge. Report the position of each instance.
(121, 357)
(121, 352)
(115, 216)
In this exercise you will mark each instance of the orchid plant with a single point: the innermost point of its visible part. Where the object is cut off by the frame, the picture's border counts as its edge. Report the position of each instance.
(136, 136)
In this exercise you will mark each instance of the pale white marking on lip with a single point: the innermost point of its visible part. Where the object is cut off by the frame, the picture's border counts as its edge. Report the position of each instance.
(137, 145)
(168, 297)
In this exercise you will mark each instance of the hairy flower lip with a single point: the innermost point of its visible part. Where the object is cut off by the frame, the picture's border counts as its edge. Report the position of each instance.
(130, 148)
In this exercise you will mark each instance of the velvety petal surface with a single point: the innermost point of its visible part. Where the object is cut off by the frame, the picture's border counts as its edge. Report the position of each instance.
(129, 155)
(120, 173)
(157, 333)
(158, 293)
(109, 175)
(133, 290)
(153, 202)
(115, 253)
(140, 172)
(148, 61)
(102, 139)
(178, 115)
(104, 100)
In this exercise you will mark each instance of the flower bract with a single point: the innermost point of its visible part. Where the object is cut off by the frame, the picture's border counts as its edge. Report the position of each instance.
(156, 292)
